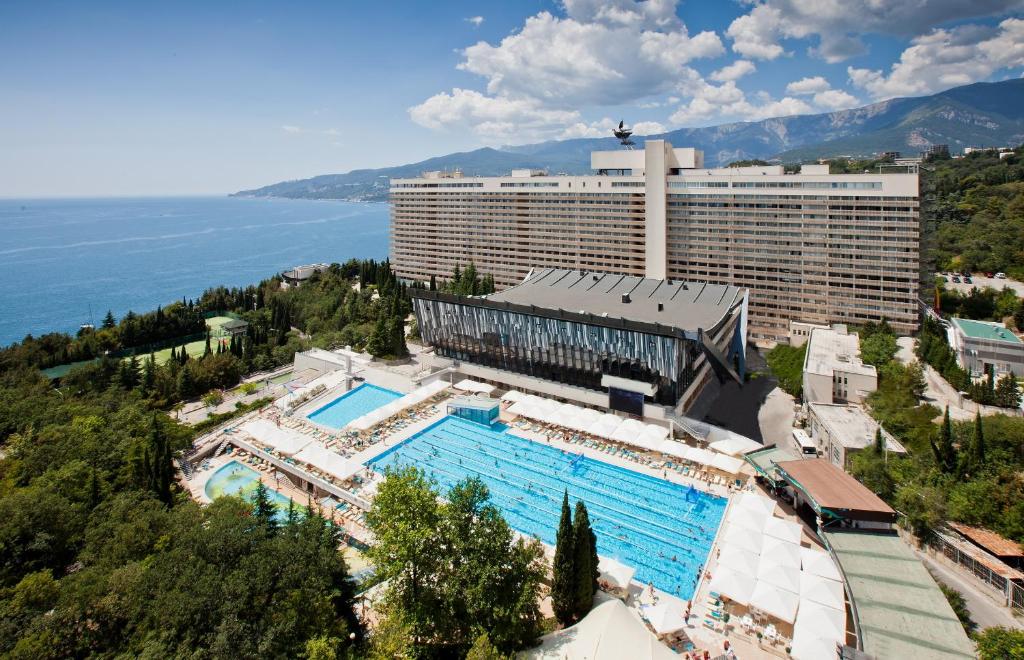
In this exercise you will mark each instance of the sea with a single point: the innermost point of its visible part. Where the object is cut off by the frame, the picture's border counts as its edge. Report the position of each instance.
(65, 262)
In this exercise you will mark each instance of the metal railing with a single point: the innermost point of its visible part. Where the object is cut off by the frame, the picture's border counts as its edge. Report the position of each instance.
(1011, 593)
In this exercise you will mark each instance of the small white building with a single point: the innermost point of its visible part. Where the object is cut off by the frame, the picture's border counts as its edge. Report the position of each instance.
(324, 362)
(833, 370)
(983, 346)
(800, 332)
(839, 431)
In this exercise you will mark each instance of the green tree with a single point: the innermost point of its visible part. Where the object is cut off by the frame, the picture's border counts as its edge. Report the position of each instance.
(1007, 393)
(878, 348)
(263, 509)
(978, 445)
(109, 322)
(999, 643)
(563, 579)
(482, 649)
(787, 365)
(379, 343)
(585, 562)
(945, 452)
(959, 605)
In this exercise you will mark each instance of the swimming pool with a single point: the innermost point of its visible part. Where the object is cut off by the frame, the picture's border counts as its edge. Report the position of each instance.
(234, 478)
(661, 529)
(352, 404)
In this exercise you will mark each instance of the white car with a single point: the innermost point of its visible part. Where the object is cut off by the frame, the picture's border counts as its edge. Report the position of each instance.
(1000, 276)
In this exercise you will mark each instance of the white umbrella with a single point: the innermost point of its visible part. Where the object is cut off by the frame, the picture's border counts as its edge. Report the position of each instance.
(655, 432)
(780, 553)
(748, 518)
(749, 500)
(673, 448)
(615, 572)
(740, 561)
(784, 530)
(808, 646)
(667, 616)
(782, 577)
(513, 396)
(726, 464)
(819, 563)
(741, 537)
(735, 445)
(702, 456)
(628, 431)
(772, 600)
(816, 589)
(736, 586)
(605, 426)
(821, 621)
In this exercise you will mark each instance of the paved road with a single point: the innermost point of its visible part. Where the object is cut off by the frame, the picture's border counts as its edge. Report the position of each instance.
(985, 611)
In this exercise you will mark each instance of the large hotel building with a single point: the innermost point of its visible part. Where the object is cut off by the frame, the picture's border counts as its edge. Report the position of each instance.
(809, 246)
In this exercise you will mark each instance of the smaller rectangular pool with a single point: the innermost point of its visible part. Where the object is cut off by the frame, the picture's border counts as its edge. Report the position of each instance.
(238, 480)
(351, 405)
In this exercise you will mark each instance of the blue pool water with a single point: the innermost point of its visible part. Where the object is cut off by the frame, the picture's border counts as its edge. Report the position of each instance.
(352, 404)
(236, 479)
(641, 521)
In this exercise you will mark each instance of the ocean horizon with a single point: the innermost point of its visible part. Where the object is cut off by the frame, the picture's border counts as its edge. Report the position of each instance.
(66, 261)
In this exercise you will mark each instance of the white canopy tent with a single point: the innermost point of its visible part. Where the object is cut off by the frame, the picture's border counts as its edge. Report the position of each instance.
(585, 418)
(817, 631)
(735, 445)
(615, 572)
(605, 426)
(328, 461)
(467, 385)
(667, 616)
(513, 396)
(751, 500)
(727, 464)
(784, 530)
(776, 602)
(702, 456)
(674, 448)
(742, 538)
(284, 440)
(783, 577)
(780, 553)
(736, 586)
(609, 632)
(629, 430)
(819, 563)
(748, 519)
(822, 591)
(740, 561)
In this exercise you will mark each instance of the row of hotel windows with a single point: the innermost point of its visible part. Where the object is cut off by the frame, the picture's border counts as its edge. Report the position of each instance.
(841, 185)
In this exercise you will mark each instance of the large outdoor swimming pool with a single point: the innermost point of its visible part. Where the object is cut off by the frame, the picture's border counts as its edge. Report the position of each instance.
(661, 529)
(236, 479)
(352, 405)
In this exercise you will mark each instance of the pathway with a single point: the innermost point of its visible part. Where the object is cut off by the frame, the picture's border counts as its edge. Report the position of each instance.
(985, 611)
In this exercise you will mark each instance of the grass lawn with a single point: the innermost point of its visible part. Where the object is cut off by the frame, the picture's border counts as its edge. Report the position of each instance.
(196, 348)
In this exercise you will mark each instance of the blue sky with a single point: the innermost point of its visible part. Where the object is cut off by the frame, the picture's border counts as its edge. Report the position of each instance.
(130, 98)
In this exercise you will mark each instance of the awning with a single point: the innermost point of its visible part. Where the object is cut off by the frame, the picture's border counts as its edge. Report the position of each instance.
(512, 396)
(735, 445)
(668, 616)
(334, 464)
(776, 602)
(735, 586)
(784, 530)
(284, 440)
(819, 563)
(780, 552)
(783, 577)
(467, 385)
(727, 464)
(816, 589)
(740, 561)
(615, 572)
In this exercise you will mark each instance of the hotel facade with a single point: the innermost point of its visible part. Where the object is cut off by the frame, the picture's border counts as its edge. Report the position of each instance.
(809, 246)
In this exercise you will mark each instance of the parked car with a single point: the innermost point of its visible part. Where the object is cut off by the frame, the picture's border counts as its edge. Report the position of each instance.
(989, 274)
(1000, 276)
(956, 279)
(968, 280)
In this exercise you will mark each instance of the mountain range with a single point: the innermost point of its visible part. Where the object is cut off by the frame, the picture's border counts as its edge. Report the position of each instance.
(981, 114)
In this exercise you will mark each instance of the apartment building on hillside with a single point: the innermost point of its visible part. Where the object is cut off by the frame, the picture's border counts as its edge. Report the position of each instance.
(809, 246)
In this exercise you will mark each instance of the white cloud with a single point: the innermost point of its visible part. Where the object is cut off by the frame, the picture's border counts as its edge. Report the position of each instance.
(493, 119)
(477, 21)
(648, 128)
(712, 104)
(807, 86)
(734, 71)
(288, 128)
(838, 24)
(600, 54)
(946, 58)
(605, 61)
(835, 99)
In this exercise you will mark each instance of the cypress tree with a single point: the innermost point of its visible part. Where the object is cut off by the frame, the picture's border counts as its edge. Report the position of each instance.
(585, 563)
(208, 350)
(563, 573)
(978, 448)
(946, 454)
(433, 282)
(263, 509)
(108, 320)
(879, 446)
